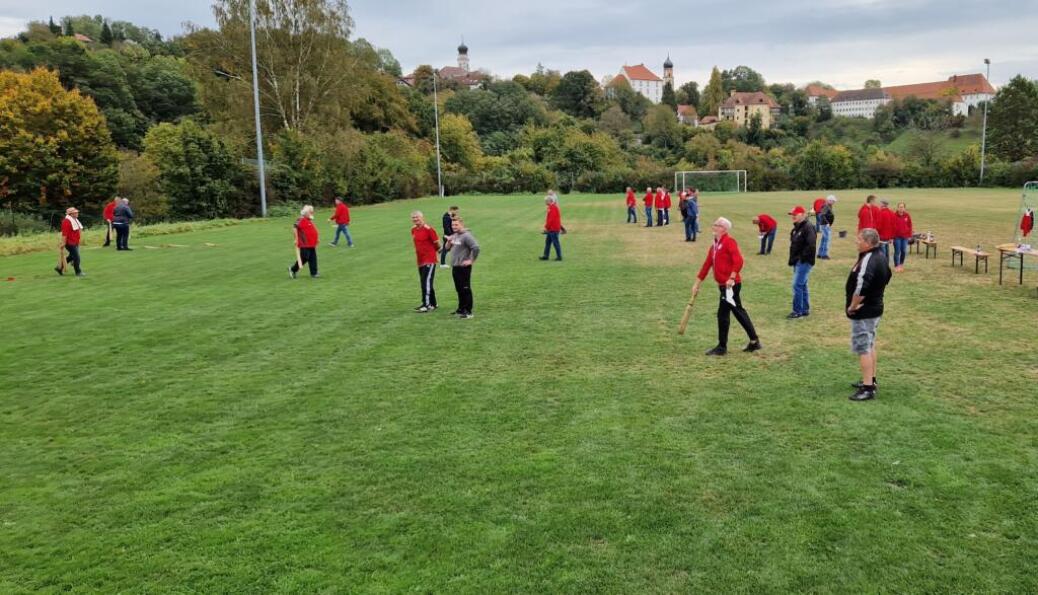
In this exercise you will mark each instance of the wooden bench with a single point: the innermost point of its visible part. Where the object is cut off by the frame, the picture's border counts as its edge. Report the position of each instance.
(978, 256)
(928, 244)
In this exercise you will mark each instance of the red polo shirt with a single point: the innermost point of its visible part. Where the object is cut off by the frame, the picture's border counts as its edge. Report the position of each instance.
(630, 199)
(658, 200)
(724, 257)
(71, 236)
(766, 223)
(109, 212)
(426, 244)
(648, 198)
(865, 217)
(885, 224)
(342, 214)
(306, 233)
(553, 221)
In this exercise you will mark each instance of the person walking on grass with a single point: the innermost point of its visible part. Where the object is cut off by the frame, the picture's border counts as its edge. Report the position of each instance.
(649, 199)
(885, 227)
(902, 233)
(109, 214)
(632, 214)
(464, 252)
(447, 221)
(768, 228)
(657, 202)
(426, 244)
(864, 290)
(552, 228)
(122, 216)
(726, 261)
(826, 217)
(71, 230)
(691, 217)
(341, 217)
(306, 243)
(802, 259)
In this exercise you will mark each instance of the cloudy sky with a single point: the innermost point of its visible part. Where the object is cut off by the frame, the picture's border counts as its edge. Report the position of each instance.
(842, 42)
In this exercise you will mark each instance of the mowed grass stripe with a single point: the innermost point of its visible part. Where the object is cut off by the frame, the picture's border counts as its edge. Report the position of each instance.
(214, 426)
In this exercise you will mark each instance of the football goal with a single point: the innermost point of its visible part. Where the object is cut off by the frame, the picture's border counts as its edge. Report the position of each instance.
(731, 180)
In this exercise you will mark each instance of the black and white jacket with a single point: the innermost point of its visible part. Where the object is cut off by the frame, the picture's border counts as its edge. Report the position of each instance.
(868, 278)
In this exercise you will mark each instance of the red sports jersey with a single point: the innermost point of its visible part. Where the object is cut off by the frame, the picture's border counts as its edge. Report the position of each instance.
(426, 244)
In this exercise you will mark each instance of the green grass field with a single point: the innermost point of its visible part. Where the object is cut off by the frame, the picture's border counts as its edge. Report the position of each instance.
(189, 419)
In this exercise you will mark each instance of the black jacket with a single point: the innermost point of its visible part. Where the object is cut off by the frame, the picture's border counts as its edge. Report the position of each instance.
(827, 216)
(123, 214)
(448, 229)
(802, 243)
(869, 277)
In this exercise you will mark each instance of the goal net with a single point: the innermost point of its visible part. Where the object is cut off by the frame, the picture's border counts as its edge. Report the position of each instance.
(732, 180)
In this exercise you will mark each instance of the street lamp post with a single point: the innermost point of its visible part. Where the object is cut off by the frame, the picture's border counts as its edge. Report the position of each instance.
(436, 116)
(984, 126)
(256, 106)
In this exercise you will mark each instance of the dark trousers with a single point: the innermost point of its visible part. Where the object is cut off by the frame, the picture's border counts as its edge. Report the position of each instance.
(444, 250)
(690, 227)
(309, 257)
(122, 235)
(632, 215)
(73, 257)
(108, 233)
(659, 217)
(767, 242)
(724, 312)
(648, 216)
(551, 238)
(666, 216)
(463, 285)
(426, 274)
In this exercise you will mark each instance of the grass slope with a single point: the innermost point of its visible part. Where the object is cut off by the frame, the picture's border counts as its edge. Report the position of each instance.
(188, 419)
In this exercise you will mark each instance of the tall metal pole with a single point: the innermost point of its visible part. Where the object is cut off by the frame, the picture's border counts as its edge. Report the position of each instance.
(984, 126)
(256, 106)
(436, 115)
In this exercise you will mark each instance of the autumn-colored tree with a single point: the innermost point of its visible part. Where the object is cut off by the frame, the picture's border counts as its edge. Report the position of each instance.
(713, 94)
(55, 148)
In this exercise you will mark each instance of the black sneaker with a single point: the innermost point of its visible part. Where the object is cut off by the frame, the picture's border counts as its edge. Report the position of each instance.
(81, 274)
(291, 274)
(753, 346)
(717, 351)
(793, 315)
(59, 271)
(466, 315)
(542, 258)
(864, 394)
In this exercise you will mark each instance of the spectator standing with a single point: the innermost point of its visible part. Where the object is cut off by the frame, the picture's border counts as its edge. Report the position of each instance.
(867, 214)
(726, 261)
(648, 200)
(341, 217)
(827, 217)
(426, 244)
(552, 228)
(885, 227)
(691, 217)
(306, 241)
(109, 214)
(666, 207)
(768, 228)
(464, 252)
(71, 230)
(448, 229)
(802, 258)
(864, 291)
(902, 233)
(632, 214)
(122, 216)
(658, 203)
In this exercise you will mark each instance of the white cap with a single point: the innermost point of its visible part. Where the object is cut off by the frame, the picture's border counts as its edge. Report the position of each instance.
(830, 198)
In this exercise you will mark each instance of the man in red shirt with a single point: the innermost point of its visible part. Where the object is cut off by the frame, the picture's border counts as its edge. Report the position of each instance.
(657, 202)
(768, 227)
(71, 229)
(649, 197)
(632, 215)
(867, 213)
(666, 207)
(552, 228)
(306, 243)
(341, 217)
(816, 208)
(726, 261)
(426, 246)
(109, 215)
(885, 227)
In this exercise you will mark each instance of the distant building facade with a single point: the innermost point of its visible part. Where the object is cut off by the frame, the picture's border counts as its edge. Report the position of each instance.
(741, 107)
(643, 81)
(860, 103)
(687, 115)
(963, 92)
(461, 74)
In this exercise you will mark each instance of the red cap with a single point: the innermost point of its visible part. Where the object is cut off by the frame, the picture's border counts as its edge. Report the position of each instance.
(797, 210)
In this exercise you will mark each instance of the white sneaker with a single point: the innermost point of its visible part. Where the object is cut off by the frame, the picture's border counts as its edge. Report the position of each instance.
(445, 266)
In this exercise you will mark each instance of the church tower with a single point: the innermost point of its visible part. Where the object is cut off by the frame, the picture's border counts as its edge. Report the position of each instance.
(668, 72)
(463, 56)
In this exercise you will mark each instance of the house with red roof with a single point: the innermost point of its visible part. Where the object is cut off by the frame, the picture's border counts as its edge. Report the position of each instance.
(687, 114)
(741, 107)
(962, 91)
(460, 73)
(642, 80)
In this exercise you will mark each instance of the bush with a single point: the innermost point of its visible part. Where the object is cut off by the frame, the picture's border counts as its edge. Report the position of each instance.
(139, 181)
(20, 224)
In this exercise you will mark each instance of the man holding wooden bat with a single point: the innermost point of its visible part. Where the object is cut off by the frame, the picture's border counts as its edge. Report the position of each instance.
(306, 243)
(726, 261)
(71, 230)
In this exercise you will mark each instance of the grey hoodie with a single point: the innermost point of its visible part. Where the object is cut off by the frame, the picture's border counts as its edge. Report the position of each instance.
(463, 247)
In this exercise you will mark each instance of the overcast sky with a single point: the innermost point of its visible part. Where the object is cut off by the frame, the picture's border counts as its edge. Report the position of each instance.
(842, 42)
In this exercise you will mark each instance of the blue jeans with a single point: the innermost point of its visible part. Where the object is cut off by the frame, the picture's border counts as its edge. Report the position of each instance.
(690, 227)
(801, 298)
(823, 247)
(632, 216)
(886, 250)
(552, 239)
(900, 251)
(344, 229)
(648, 216)
(767, 241)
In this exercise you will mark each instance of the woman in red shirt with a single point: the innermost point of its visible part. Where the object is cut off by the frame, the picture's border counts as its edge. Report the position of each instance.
(726, 261)
(902, 233)
(306, 243)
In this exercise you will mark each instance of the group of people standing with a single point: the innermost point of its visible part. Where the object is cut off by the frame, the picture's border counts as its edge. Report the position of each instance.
(660, 201)
(894, 227)
(117, 216)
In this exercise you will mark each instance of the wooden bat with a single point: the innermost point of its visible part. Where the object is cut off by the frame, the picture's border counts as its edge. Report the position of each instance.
(299, 258)
(62, 262)
(686, 315)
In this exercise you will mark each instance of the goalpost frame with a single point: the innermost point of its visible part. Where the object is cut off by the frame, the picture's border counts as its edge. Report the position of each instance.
(741, 177)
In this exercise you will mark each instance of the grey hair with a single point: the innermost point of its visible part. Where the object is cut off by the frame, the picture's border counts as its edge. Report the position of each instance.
(870, 235)
(884, 201)
(724, 223)
(550, 198)
(306, 210)
(417, 214)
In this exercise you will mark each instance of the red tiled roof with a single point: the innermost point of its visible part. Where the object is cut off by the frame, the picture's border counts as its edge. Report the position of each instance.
(755, 98)
(820, 91)
(81, 37)
(617, 80)
(708, 120)
(688, 111)
(952, 89)
(639, 72)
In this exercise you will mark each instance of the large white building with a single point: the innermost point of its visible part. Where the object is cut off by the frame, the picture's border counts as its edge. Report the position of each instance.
(964, 92)
(644, 81)
(861, 103)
